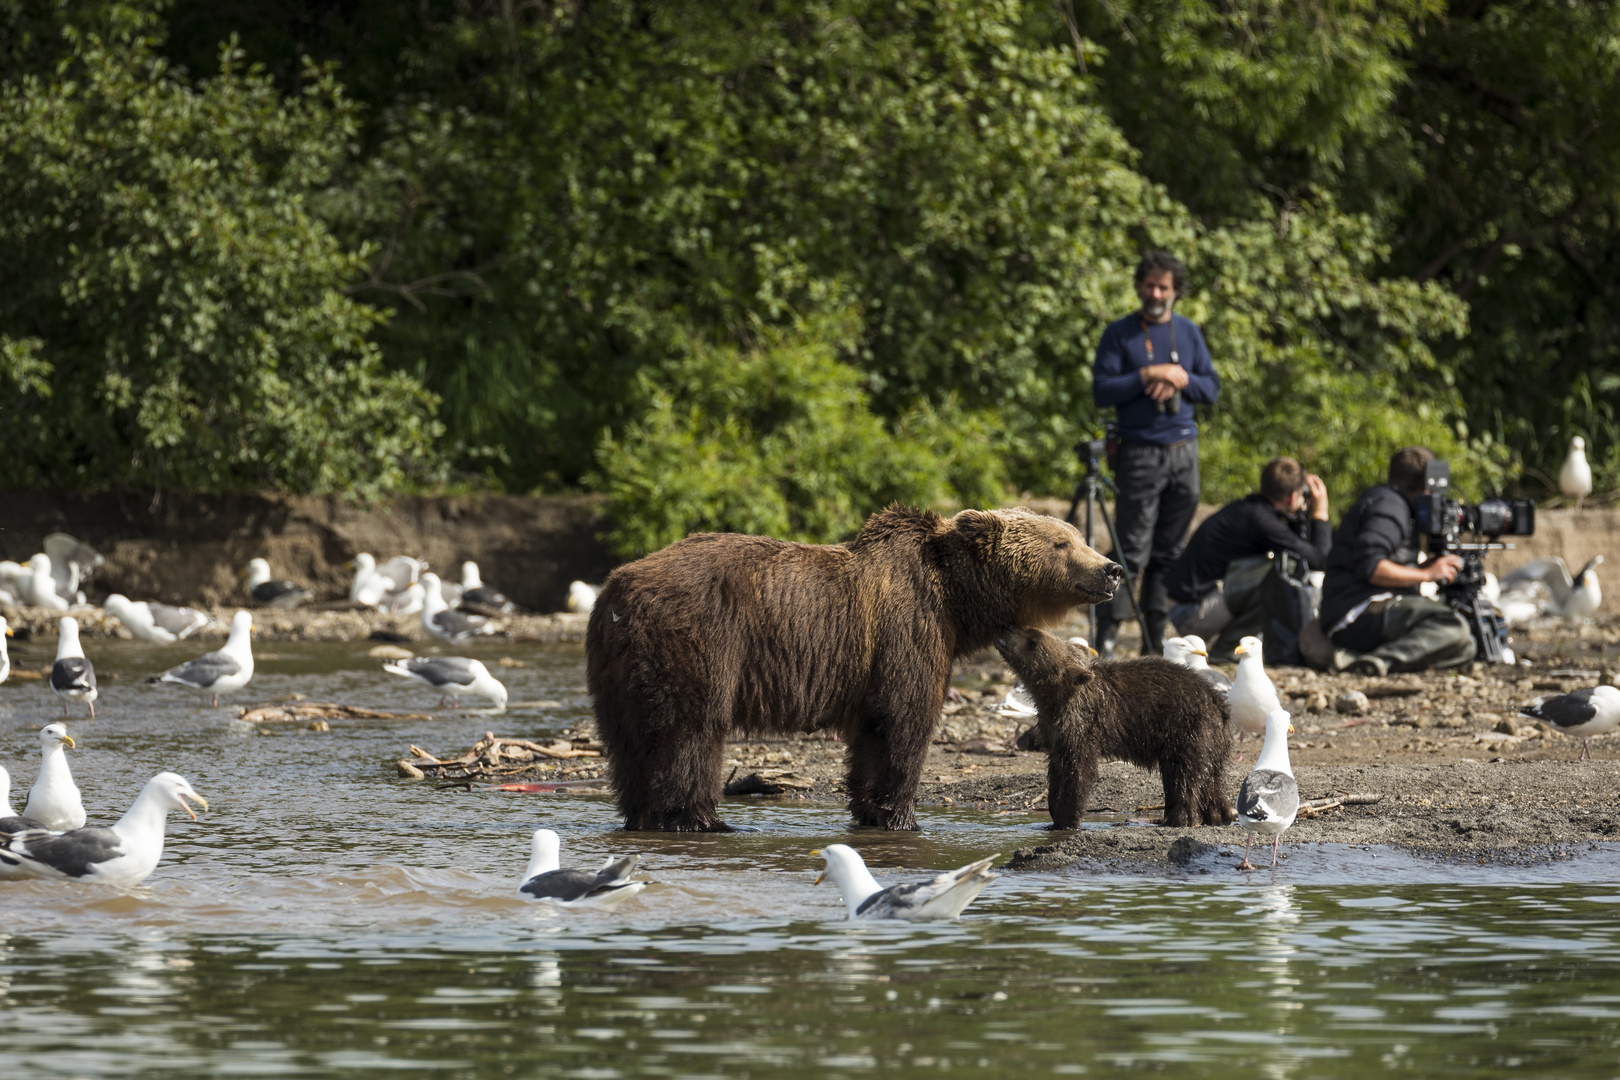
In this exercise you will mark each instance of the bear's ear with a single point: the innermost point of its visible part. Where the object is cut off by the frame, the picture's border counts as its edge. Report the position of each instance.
(981, 527)
(1080, 674)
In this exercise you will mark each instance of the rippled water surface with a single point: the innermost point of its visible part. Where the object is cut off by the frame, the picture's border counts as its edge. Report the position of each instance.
(325, 918)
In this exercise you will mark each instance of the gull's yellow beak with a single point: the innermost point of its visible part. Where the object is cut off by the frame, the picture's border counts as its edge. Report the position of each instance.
(1238, 651)
(186, 806)
(68, 739)
(1290, 729)
(821, 875)
(348, 564)
(242, 573)
(9, 633)
(1091, 650)
(1200, 652)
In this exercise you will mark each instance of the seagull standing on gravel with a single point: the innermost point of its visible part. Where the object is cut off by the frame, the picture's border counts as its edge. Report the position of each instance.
(474, 591)
(1575, 478)
(224, 671)
(54, 800)
(123, 855)
(271, 593)
(940, 897)
(151, 621)
(1191, 652)
(444, 623)
(605, 889)
(1575, 596)
(1584, 713)
(1268, 802)
(1253, 696)
(72, 676)
(40, 588)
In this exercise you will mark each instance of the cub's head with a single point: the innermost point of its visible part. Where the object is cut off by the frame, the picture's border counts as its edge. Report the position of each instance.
(1050, 566)
(1051, 669)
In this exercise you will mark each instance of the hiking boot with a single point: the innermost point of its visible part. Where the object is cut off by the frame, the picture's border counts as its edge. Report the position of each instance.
(1369, 665)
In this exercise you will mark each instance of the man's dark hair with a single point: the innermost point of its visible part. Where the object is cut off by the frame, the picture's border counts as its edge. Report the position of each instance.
(1281, 477)
(1157, 262)
(1406, 468)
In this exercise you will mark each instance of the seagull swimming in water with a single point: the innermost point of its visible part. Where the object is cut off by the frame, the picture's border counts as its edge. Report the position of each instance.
(940, 897)
(123, 855)
(1575, 478)
(1268, 802)
(72, 676)
(54, 800)
(605, 889)
(1583, 714)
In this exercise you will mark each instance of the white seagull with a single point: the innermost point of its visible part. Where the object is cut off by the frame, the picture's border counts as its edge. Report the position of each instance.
(1268, 802)
(1191, 652)
(54, 800)
(123, 856)
(940, 897)
(222, 672)
(444, 623)
(1584, 713)
(40, 588)
(452, 676)
(276, 594)
(1573, 597)
(581, 597)
(1575, 478)
(606, 888)
(72, 563)
(152, 621)
(367, 587)
(11, 824)
(72, 676)
(1253, 696)
(5, 653)
(474, 591)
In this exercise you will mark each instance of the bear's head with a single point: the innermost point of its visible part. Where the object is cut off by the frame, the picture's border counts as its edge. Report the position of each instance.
(1051, 669)
(1047, 563)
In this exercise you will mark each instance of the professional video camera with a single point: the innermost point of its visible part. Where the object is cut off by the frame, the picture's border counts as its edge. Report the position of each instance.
(1443, 521)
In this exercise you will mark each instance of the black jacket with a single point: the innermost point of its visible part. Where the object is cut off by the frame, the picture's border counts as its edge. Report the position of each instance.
(1251, 526)
(1379, 526)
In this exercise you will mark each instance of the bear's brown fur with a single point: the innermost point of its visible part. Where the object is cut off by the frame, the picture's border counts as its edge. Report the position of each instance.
(1148, 711)
(721, 632)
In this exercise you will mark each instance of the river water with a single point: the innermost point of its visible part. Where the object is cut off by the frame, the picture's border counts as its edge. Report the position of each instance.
(327, 919)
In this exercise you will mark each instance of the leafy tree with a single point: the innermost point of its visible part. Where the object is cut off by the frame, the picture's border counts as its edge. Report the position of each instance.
(171, 311)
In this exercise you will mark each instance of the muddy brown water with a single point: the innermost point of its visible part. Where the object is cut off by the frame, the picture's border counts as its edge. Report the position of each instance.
(326, 918)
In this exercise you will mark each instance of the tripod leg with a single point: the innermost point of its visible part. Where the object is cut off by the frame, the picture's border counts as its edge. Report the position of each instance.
(1129, 583)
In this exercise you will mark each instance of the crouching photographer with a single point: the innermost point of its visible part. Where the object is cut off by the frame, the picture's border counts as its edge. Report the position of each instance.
(1371, 605)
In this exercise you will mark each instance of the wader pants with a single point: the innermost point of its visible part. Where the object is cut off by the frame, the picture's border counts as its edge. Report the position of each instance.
(1410, 633)
(1158, 495)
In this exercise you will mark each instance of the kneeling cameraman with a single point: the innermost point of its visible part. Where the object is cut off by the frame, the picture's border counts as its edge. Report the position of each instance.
(1370, 599)
(1215, 584)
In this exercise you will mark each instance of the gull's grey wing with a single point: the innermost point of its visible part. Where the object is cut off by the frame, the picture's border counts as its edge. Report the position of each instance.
(1217, 679)
(459, 624)
(278, 593)
(1268, 795)
(178, 621)
(567, 885)
(11, 826)
(1550, 571)
(204, 671)
(402, 571)
(73, 673)
(71, 853)
(1566, 710)
(443, 670)
(897, 900)
(485, 596)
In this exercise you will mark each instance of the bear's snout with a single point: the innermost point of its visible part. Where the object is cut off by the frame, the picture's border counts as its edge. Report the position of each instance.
(1004, 639)
(1115, 574)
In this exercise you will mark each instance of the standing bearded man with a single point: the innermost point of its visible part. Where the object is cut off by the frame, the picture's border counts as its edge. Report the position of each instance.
(1152, 367)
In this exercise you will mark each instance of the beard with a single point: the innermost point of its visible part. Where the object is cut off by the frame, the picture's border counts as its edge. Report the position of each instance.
(1155, 309)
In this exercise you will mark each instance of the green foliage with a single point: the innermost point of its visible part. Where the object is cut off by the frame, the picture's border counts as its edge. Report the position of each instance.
(778, 438)
(171, 313)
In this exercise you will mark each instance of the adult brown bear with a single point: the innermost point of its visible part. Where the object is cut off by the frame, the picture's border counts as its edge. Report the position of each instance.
(720, 633)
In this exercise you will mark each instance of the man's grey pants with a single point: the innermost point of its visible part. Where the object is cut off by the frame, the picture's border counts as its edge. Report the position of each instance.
(1158, 495)
(1411, 633)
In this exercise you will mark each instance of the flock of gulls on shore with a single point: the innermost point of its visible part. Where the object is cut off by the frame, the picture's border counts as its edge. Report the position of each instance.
(50, 839)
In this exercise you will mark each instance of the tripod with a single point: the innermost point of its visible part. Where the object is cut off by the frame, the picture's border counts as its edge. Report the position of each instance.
(1090, 491)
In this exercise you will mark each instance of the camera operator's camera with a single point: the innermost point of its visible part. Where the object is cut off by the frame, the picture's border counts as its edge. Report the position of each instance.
(1444, 519)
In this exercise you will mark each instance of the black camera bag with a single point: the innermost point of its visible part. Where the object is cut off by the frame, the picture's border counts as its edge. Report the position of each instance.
(1288, 602)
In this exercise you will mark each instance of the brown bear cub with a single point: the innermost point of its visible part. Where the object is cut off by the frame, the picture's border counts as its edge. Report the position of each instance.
(1148, 711)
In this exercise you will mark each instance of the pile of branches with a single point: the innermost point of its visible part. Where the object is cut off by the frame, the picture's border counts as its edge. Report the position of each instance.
(492, 757)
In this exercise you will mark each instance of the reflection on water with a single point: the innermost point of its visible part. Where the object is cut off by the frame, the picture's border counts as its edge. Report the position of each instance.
(328, 919)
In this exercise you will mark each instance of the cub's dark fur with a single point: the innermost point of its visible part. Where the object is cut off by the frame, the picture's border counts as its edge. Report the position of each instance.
(1149, 711)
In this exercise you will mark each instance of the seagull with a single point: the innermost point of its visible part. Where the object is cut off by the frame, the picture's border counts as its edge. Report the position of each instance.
(222, 672)
(276, 594)
(581, 597)
(1253, 697)
(11, 824)
(1191, 652)
(940, 897)
(72, 676)
(443, 622)
(367, 587)
(452, 676)
(54, 800)
(1584, 713)
(5, 654)
(474, 591)
(1576, 597)
(1575, 478)
(123, 856)
(152, 621)
(14, 581)
(40, 588)
(72, 563)
(606, 889)
(1269, 799)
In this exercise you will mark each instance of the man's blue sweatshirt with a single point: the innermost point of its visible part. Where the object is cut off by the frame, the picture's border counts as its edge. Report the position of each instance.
(1123, 352)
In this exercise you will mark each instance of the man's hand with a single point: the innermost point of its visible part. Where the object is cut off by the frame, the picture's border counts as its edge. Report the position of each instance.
(1159, 381)
(1444, 569)
(1317, 490)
